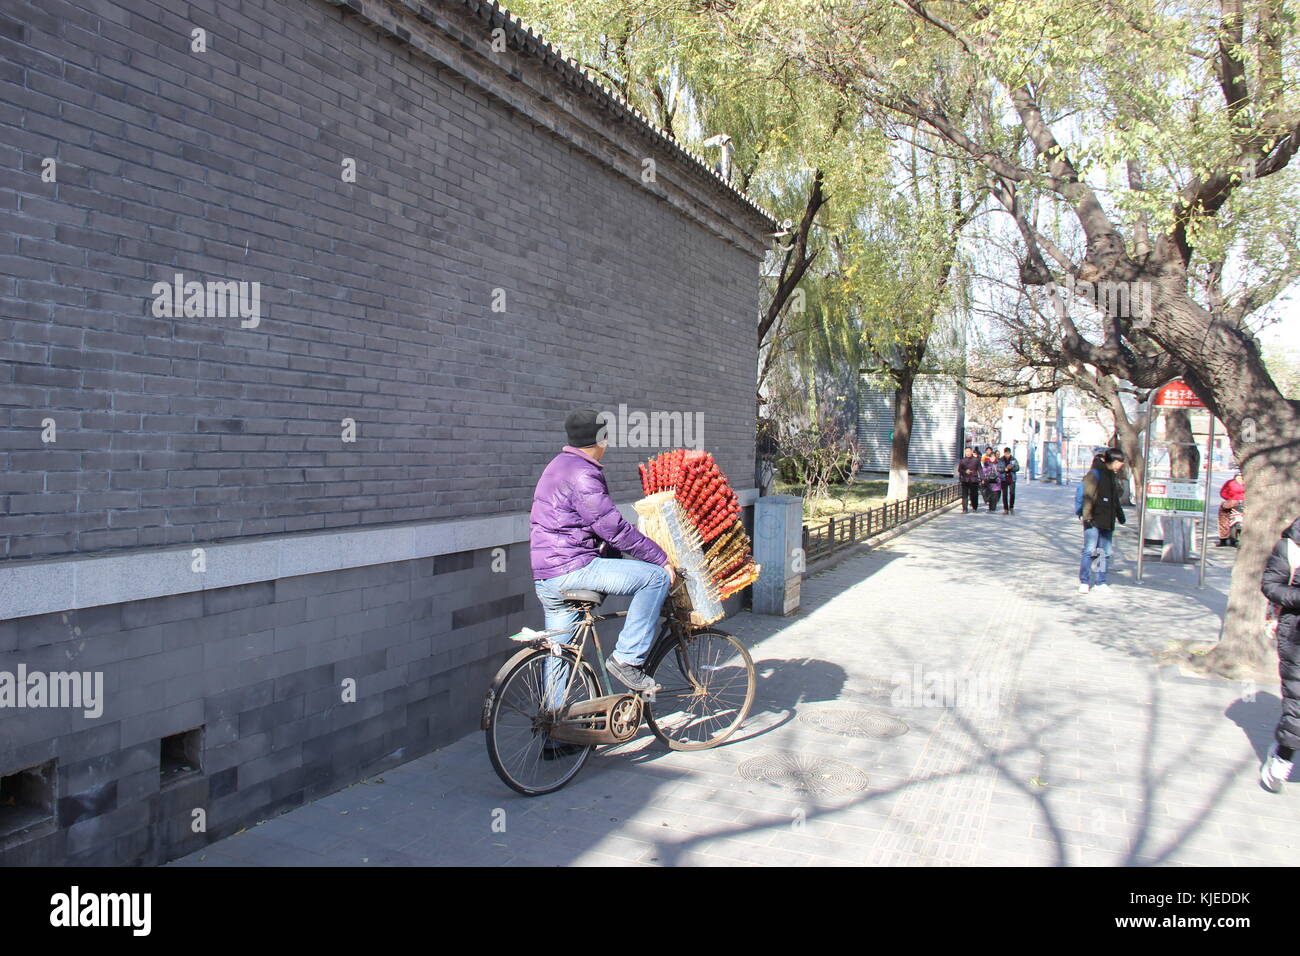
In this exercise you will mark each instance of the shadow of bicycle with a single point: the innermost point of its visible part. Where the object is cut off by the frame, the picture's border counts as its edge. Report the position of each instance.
(782, 685)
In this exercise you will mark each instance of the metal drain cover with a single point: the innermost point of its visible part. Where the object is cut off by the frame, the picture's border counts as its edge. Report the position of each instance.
(855, 723)
(809, 774)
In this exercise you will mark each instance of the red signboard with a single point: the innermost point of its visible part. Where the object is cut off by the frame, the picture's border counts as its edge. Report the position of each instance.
(1177, 395)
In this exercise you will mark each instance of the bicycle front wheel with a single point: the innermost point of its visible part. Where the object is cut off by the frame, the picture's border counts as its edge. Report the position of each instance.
(707, 687)
(522, 705)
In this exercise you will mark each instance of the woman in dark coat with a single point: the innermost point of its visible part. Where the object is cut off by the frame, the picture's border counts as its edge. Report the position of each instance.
(1280, 586)
(989, 479)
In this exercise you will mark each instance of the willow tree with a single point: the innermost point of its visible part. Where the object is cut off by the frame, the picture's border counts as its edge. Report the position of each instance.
(1137, 147)
(770, 127)
(899, 275)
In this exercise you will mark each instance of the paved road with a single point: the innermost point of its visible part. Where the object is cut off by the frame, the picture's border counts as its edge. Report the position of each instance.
(1012, 721)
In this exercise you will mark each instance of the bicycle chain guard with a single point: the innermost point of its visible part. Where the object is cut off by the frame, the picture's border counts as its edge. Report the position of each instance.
(601, 720)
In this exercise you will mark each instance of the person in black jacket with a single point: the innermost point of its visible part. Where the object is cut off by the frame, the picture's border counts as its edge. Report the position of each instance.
(1007, 468)
(968, 473)
(1101, 509)
(1280, 587)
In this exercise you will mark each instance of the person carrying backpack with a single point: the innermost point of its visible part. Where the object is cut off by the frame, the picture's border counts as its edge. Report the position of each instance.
(1282, 589)
(1099, 509)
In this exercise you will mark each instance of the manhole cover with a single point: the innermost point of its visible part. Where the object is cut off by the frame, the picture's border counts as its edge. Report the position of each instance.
(855, 723)
(809, 774)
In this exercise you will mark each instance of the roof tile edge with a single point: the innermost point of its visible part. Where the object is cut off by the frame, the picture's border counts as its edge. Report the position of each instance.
(518, 34)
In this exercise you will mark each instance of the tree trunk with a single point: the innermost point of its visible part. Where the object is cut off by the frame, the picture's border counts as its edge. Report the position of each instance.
(797, 259)
(1245, 649)
(1128, 438)
(1227, 373)
(1222, 365)
(1185, 459)
(902, 436)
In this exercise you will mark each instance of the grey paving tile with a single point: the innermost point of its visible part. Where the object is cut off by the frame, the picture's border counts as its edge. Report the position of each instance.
(1091, 756)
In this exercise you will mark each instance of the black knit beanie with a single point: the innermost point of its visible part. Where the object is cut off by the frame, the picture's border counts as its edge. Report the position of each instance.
(582, 427)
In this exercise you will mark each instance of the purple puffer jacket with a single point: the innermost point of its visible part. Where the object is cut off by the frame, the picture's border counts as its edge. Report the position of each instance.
(573, 514)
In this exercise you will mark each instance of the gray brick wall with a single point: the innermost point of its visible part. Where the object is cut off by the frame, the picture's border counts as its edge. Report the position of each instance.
(260, 668)
(376, 306)
(376, 295)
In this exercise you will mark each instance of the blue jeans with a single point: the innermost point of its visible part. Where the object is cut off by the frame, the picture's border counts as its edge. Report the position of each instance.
(647, 583)
(1095, 540)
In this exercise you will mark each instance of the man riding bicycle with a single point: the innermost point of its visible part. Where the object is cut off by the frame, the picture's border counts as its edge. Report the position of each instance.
(573, 524)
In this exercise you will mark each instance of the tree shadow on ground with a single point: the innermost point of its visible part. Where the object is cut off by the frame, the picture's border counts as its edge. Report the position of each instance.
(1127, 829)
(1024, 749)
(782, 685)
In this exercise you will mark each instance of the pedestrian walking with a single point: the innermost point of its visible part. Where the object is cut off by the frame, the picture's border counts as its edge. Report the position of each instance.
(1099, 512)
(989, 479)
(1232, 500)
(1007, 468)
(968, 476)
(1279, 585)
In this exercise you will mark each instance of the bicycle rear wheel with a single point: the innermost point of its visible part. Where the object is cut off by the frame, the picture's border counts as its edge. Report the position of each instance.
(520, 711)
(708, 684)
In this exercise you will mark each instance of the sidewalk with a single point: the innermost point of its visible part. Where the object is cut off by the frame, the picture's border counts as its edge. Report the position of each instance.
(945, 699)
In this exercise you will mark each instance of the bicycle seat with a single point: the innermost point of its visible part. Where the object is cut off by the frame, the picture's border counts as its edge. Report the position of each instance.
(583, 597)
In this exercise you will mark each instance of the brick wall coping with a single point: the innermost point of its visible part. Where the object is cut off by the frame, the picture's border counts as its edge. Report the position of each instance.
(65, 584)
(545, 92)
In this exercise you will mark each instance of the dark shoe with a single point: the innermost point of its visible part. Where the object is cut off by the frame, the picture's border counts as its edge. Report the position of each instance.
(1223, 543)
(632, 676)
(555, 750)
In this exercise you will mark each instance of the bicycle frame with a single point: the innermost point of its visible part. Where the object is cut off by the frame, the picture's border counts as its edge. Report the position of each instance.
(586, 628)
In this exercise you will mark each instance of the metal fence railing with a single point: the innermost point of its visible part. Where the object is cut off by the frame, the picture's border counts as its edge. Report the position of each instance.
(826, 536)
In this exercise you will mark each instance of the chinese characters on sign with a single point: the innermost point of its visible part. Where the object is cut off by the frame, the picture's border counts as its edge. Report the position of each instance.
(1177, 395)
(1173, 497)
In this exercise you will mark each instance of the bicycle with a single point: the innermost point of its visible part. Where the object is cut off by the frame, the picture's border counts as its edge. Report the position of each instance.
(545, 712)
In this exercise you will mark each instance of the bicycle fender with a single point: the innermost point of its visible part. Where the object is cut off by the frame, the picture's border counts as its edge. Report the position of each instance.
(491, 694)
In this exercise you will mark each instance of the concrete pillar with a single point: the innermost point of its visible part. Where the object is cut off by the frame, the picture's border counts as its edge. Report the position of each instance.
(778, 549)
